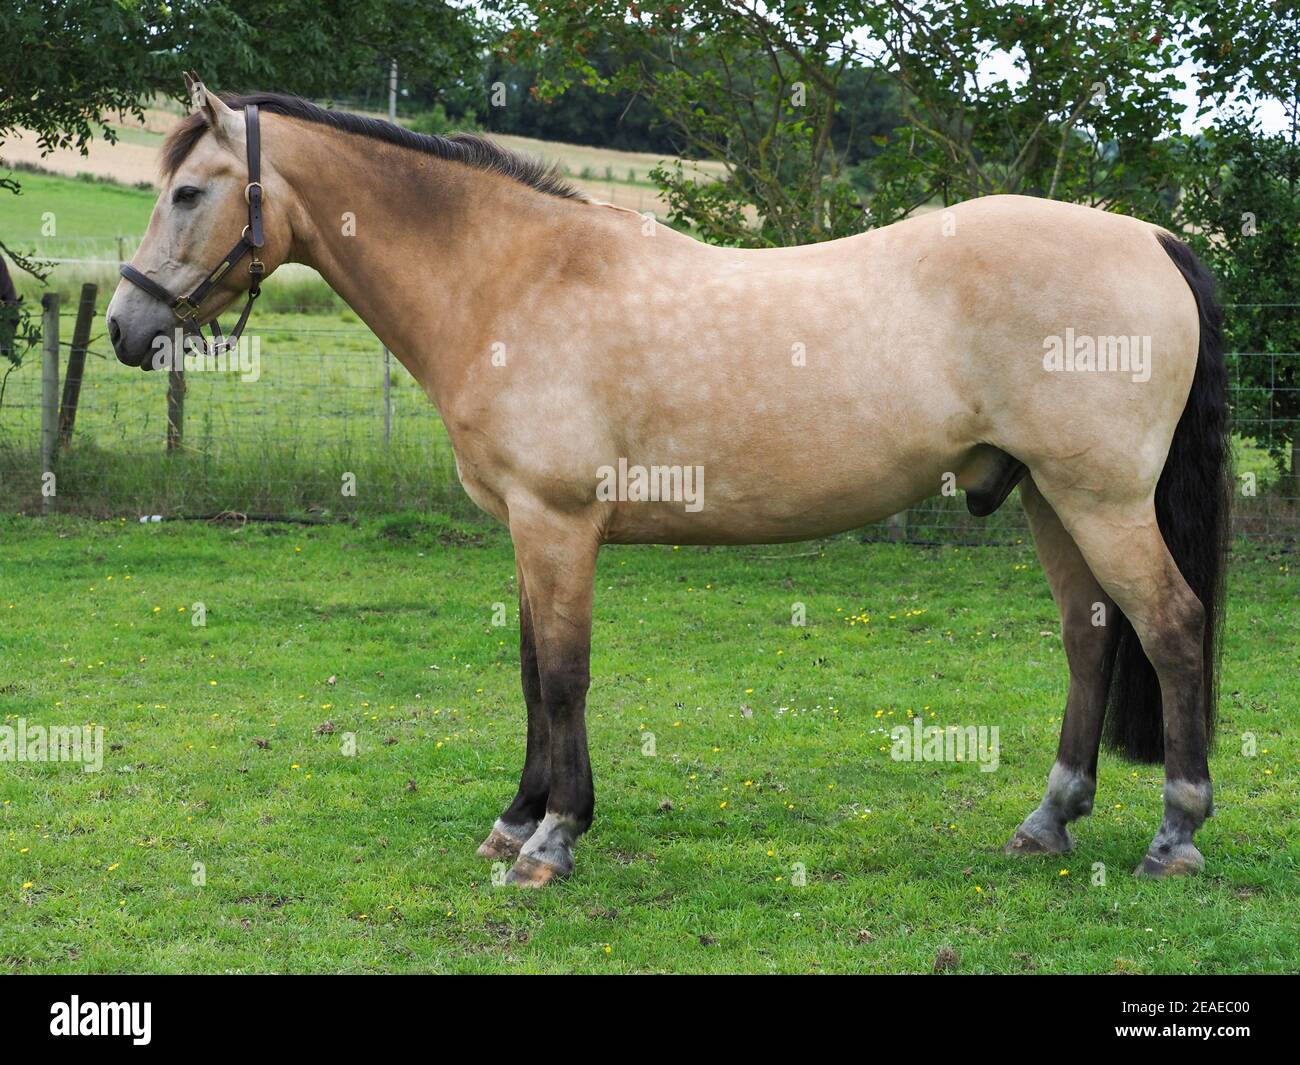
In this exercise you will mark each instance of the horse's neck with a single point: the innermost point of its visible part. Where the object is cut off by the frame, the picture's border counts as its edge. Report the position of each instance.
(426, 251)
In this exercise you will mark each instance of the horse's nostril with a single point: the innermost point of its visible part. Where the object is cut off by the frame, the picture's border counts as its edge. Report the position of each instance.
(115, 334)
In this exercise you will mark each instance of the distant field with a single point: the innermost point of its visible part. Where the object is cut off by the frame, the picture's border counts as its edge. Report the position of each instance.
(57, 217)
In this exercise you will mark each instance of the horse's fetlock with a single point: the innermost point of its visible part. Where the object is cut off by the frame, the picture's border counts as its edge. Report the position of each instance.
(1070, 792)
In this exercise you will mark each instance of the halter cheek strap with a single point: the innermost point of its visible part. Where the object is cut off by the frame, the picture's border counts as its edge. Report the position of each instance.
(186, 308)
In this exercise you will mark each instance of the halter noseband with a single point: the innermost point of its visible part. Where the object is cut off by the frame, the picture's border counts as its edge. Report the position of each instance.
(186, 308)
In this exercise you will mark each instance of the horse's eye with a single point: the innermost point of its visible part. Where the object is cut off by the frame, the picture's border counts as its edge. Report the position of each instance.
(186, 194)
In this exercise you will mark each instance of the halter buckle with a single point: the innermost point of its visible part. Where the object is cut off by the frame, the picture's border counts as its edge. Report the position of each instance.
(183, 308)
(248, 190)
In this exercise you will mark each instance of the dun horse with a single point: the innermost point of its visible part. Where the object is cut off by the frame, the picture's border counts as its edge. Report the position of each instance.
(1005, 341)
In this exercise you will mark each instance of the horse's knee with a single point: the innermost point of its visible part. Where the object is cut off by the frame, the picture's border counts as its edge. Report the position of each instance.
(564, 684)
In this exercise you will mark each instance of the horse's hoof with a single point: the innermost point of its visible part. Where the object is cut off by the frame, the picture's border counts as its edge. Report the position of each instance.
(503, 842)
(1023, 843)
(1181, 861)
(530, 872)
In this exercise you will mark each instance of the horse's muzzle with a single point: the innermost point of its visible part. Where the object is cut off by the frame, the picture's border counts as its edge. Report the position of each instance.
(121, 347)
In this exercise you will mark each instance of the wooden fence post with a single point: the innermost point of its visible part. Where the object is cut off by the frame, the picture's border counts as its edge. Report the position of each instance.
(76, 363)
(175, 409)
(49, 395)
(388, 399)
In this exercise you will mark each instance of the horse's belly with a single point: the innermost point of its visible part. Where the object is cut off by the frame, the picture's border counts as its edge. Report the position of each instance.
(721, 506)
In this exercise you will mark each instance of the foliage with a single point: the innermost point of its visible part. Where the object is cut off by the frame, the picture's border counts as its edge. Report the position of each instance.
(1242, 208)
(435, 120)
(580, 115)
(757, 88)
(1072, 100)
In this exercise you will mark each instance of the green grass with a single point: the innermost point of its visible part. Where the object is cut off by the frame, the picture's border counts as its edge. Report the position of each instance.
(320, 862)
(82, 209)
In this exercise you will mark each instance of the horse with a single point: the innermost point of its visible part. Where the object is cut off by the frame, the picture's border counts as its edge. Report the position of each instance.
(1005, 341)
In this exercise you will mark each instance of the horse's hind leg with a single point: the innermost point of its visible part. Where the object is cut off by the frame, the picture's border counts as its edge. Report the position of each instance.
(1082, 603)
(557, 558)
(521, 817)
(1124, 548)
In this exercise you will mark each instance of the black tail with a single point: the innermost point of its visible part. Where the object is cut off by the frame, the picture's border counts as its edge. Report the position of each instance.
(1192, 507)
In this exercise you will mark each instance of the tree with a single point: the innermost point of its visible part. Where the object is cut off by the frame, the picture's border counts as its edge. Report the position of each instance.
(756, 87)
(1067, 99)
(1242, 210)
(1071, 99)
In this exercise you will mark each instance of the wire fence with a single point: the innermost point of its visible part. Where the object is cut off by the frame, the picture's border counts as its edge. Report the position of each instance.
(320, 423)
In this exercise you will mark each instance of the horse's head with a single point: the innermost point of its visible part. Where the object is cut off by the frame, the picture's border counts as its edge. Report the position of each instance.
(201, 213)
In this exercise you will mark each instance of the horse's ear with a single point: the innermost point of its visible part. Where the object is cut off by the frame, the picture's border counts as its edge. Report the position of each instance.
(195, 90)
(220, 118)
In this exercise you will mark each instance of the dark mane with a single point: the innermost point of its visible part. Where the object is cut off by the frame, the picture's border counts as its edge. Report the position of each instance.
(467, 148)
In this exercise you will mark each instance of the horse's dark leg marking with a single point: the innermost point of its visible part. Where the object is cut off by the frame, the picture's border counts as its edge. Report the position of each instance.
(1128, 555)
(572, 800)
(1174, 643)
(521, 817)
(995, 484)
(557, 559)
(1080, 599)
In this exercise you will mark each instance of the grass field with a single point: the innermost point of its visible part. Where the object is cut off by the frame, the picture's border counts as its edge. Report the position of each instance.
(771, 757)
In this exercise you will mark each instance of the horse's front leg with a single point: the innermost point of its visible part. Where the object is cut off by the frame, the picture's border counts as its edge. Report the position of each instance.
(521, 817)
(557, 560)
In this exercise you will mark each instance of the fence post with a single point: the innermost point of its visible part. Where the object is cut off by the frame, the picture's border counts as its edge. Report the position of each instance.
(76, 363)
(388, 399)
(175, 409)
(49, 393)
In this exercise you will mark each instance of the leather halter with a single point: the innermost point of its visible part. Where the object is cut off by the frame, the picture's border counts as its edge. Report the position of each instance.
(186, 308)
